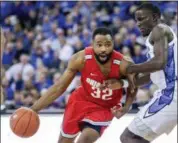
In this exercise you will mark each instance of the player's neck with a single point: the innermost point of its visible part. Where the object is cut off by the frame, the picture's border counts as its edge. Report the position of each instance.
(103, 64)
(156, 23)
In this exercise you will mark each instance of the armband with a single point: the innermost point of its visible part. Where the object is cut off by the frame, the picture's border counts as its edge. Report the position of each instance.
(125, 83)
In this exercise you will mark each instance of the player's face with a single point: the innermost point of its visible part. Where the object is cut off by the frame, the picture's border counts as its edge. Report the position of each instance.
(103, 47)
(144, 19)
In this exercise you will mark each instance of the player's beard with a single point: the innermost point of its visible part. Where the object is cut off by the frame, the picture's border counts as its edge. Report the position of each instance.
(106, 58)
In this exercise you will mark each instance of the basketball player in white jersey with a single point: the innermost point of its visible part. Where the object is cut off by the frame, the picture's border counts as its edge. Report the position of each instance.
(160, 114)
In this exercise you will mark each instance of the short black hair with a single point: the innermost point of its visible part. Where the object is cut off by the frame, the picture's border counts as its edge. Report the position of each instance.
(102, 31)
(149, 6)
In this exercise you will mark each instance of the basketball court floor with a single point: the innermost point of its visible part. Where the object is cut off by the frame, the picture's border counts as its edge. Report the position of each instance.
(50, 127)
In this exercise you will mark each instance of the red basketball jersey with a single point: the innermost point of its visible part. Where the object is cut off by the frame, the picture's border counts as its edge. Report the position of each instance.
(92, 77)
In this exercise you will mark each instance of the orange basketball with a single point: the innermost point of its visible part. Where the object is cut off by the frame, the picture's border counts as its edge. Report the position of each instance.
(24, 122)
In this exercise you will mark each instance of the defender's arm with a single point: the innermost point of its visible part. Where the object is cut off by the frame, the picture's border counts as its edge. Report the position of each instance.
(158, 62)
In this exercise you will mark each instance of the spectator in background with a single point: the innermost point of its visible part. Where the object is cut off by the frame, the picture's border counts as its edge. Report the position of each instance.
(18, 99)
(132, 28)
(126, 51)
(46, 25)
(48, 56)
(30, 94)
(32, 19)
(174, 24)
(28, 40)
(54, 27)
(19, 49)
(86, 38)
(78, 46)
(8, 91)
(55, 44)
(23, 68)
(138, 56)
(41, 82)
(59, 102)
(8, 55)
(37, 53)
(71, 38)
(65, 48)
(118, 41)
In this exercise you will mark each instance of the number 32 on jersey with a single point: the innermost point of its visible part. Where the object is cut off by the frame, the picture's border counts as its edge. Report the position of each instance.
(103, 94)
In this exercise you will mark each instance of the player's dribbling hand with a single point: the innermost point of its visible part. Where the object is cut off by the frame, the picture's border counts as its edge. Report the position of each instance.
(119, 112)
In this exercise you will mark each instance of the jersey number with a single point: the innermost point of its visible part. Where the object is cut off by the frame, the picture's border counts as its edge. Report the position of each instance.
(103, 94)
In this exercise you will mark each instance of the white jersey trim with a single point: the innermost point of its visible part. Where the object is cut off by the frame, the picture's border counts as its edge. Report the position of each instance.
(68, 135)
(97, 123)
(88, 57)
(117, 62)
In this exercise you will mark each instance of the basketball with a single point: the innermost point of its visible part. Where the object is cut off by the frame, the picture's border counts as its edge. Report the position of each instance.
(24, 122)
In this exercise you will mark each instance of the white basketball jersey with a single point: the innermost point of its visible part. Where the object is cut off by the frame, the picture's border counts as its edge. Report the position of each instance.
(162, 78)
(160, 114)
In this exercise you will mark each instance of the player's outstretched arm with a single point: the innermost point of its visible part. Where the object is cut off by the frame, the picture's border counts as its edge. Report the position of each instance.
(74, 65)
(160, 44)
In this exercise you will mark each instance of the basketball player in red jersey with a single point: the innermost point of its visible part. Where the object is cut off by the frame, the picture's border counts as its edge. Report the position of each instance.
(89, 106)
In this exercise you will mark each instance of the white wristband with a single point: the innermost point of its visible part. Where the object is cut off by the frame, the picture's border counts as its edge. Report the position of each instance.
(125, 83)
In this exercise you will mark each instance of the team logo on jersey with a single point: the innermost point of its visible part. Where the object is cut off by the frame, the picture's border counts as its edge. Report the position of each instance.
(154, 108)
(93, 83)
(87, 57)
(117, 62)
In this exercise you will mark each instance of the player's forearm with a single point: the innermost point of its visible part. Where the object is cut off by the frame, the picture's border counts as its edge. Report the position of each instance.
(52, 94)
(150, 66)
(142, 79)
(130, 97)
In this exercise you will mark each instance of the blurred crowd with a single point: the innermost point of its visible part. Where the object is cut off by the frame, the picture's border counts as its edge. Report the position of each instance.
(43, 35)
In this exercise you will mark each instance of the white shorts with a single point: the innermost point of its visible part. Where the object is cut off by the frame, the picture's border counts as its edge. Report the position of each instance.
(156, 117)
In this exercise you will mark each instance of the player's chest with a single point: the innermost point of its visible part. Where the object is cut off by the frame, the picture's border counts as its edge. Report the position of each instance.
(105, 70)
(102, 73)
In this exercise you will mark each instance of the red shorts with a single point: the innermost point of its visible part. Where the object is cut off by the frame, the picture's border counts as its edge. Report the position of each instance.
(79, 111)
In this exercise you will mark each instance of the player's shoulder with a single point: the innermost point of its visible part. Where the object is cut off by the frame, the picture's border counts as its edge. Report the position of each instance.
(118, 55)
(128, 59)
(78, 60)
(79, 56)
(160, 31)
